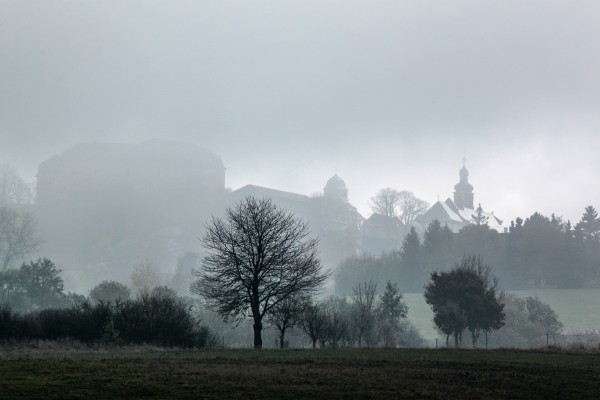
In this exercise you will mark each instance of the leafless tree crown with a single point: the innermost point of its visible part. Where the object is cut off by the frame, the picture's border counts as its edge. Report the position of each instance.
(18, 236)
(258, 255)
(403, 205)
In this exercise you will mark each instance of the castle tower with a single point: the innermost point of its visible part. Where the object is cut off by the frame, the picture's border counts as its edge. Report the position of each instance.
(463, 190)
(336, 189)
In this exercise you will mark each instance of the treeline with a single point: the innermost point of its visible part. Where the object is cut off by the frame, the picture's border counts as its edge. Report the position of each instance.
(35, 306)
(538, 251)
(366, 320)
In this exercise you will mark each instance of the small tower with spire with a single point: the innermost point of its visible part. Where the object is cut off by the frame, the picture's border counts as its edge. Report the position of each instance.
(463, 190)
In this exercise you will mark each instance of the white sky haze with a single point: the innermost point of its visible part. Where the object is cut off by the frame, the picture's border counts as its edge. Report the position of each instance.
(385, 93)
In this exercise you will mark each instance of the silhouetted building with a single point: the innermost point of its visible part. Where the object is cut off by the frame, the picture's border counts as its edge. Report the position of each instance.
(331, 217)
(103, 207)
(459, 212)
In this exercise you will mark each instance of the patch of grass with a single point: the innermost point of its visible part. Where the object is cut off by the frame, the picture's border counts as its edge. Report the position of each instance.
(291, 374)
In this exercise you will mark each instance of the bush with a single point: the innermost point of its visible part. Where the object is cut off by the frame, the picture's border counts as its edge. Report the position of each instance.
(7, 322)
(156, 317)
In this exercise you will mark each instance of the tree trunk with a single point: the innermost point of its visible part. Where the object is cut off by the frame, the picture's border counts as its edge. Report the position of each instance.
(281, 337)
(475, 337)
(258, 334)
(456, 333)
(314, 343)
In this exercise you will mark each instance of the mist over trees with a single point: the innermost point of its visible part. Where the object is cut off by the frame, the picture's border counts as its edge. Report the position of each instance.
(18, 236)
(109, 291)
(538, 251)
(13, 189)
(365, 319)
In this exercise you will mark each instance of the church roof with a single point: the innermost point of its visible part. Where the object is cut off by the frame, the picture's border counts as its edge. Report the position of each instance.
(447, 213)
(264, 192)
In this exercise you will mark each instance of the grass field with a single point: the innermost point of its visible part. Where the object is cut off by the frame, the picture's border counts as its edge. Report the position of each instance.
(291, 374)
(577, 309)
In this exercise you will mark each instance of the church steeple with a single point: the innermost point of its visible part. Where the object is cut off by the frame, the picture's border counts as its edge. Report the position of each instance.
(463, 190)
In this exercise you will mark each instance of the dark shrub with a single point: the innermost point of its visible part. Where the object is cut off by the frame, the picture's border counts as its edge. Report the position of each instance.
(158, 317)
(7, 322)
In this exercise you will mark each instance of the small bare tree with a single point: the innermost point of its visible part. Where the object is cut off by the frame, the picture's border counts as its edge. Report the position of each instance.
(13, 189)
(363, 311)
(314, 321)
(258, 255)
(145, 277)
(18, 236)
(285, 315)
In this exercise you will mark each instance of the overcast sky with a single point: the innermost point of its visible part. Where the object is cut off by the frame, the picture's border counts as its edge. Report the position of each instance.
(385, 93)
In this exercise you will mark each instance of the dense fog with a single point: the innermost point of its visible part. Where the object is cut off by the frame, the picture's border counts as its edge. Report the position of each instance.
(289, 93)
(405, 134)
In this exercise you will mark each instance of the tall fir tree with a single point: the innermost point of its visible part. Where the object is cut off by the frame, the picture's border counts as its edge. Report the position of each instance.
(590, 225)
(412, 259)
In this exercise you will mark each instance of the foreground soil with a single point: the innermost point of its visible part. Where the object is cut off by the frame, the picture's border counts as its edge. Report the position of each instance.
(293, 374)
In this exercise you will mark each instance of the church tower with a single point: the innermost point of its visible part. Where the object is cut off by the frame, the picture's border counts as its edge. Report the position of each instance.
(463, 190)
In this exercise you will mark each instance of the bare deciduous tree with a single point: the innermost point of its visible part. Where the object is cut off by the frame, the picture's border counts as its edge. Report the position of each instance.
(314, 321)
(18, 236)
(403, 205)
(410, 207)
(286, 314)
(13, 189)
(363, 315)
(145, 277)
(258, 255)
(386, 202)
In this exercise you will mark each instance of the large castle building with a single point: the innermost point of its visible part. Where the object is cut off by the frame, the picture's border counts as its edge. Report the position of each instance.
(331, 217)
(105, 207)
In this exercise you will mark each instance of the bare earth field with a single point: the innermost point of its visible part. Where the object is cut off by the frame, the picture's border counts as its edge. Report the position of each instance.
(292, 374)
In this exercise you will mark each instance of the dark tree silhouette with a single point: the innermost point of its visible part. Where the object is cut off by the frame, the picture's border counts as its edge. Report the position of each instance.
(390, 310)
(285, 315)
(258, 255)
(479, 218)
(109, 291)
(313, 322)
(467, 296)
(590, 225)
(363, 311)
(412, 258)
(33, 286)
